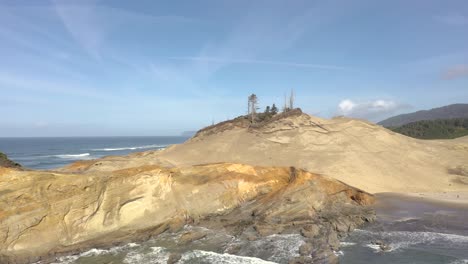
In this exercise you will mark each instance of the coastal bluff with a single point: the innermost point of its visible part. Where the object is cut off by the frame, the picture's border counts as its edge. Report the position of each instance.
(5, 162)
(45, 214)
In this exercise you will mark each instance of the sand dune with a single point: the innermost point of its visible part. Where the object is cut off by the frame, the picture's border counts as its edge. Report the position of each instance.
(353, 151)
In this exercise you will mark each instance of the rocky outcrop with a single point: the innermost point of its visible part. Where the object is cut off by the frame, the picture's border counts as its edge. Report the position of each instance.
(44, 214)
(5, 162)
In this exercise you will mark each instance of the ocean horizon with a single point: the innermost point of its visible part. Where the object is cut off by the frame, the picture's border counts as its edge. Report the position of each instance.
(53, 152)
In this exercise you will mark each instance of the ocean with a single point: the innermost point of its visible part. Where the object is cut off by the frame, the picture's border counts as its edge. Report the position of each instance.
(49, 153)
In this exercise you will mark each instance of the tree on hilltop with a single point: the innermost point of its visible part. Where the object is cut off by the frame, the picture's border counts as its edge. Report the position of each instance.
(274, 109)
(252, 106)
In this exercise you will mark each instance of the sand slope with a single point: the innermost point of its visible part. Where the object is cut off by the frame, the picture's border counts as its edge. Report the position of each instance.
(356, 152)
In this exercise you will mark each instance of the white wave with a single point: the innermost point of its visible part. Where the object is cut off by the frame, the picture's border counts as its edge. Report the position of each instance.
(131, 148)
(157, 255)
(212, 257)
(460, 261)
(73, 156)
(338, 253)
(377, 248)
(277, 248)
(347, 244)
(93, 252)
(404, 239)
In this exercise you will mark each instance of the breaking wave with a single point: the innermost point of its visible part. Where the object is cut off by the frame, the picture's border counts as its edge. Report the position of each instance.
(200, 256)
(159, 255)
(405, 239)
(131, 148)
(72, 156)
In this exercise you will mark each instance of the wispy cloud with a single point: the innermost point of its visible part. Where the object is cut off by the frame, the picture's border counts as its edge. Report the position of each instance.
(264, 62)
(91, 24)
(83, 24)
(9, 80)
(372, 110)
(457, 71)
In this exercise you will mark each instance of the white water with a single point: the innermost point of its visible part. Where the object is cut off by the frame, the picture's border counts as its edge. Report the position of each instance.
(130, 148)
(72, 156)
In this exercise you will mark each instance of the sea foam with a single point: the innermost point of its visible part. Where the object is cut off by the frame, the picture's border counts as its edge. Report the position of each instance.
(72, 156)
(131, 148)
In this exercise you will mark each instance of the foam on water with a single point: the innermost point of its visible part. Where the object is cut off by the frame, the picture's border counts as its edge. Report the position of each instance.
(460, 261)
(72, 156)
(130, 148)
(400, 240)
(347, 244)
(94, 252)
(157, 255)
(276, 248)
(200, 256)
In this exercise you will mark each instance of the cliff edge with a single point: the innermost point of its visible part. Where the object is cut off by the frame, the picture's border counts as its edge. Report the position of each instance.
(46, 214)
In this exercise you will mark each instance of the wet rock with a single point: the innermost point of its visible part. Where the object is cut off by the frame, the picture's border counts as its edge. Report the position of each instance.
(191, 236)
(268, 229)
(324, 255)
(332, 239)
(342, 225)
(176, 225)
(384, 246)
(306, 249)
(310, 231)
(174, 258)
(301, 260)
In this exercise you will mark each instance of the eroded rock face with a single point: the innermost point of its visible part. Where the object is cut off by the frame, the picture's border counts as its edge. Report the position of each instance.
(45, 213)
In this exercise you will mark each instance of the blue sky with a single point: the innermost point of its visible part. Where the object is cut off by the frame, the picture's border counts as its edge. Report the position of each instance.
(109, 68)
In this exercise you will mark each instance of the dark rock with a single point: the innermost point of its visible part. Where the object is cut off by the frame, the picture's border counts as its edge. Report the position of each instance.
(191, 236)
(332, 239)
(301, 260)
(384, 246)
(268, 229)
(324, 255)
(310, 231)
(305, 249)
(174, 258)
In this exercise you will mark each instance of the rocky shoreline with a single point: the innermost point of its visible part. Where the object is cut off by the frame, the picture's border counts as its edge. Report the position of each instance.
(49, 214)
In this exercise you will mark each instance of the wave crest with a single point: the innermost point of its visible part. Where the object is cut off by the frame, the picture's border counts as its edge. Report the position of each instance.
(131, 148)
(72, 156)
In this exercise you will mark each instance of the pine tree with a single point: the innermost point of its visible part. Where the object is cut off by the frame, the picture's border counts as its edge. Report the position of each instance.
(274, 109)
(267, 109)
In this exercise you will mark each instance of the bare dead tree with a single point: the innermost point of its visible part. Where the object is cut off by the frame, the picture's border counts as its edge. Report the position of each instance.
(291, 100)
(252, 103)
(285, 106)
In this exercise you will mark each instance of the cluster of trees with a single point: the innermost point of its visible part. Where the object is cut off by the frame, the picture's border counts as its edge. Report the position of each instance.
(252, 108)
(435, 129)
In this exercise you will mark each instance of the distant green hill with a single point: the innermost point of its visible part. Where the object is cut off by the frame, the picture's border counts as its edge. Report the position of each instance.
(435, 129)
(445, 112)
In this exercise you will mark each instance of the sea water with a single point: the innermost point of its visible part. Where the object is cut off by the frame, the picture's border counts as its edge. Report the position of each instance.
(49, 153)
(417, 231)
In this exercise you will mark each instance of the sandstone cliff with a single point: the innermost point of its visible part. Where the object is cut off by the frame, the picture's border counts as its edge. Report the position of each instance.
(43, 214)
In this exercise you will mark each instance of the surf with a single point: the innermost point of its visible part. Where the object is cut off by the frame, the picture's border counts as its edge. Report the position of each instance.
(130, 148)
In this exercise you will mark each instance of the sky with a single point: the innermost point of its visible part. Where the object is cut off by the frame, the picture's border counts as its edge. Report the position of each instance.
(141, 68)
